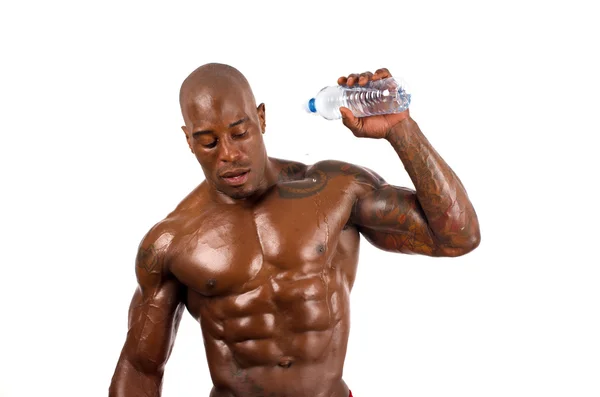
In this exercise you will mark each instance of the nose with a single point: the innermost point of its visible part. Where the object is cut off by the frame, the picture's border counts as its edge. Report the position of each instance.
(229, 152)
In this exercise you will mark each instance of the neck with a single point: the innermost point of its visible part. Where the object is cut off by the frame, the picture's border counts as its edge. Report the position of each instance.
(268, 180)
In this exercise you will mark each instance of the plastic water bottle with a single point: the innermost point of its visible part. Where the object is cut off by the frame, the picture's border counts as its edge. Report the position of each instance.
(377, 97)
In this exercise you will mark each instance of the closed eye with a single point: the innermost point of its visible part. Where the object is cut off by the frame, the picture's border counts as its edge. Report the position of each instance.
(240, 135)
(197, 135)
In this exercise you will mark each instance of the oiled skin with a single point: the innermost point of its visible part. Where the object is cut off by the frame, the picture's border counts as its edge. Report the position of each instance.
(270, 284)
(269, 277)
(271, 289)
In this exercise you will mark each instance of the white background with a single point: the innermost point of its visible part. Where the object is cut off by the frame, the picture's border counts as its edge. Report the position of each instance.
(92, 156)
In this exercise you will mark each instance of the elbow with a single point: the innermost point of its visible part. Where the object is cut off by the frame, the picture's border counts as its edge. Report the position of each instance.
(467, 244)
(472, 243)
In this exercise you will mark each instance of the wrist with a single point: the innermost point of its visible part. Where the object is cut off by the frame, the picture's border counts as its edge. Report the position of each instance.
(399, 129)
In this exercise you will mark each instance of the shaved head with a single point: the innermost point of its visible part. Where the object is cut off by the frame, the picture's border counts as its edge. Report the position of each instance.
(224, 128)
(216, 80)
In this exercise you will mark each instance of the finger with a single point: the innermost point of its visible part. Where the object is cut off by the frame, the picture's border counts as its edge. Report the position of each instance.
(382, 73)
(349, 120)
(342, 80)
(352, 79)
(364, 78)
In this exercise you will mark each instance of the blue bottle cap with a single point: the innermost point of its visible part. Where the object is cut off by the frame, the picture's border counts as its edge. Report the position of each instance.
(311, 105)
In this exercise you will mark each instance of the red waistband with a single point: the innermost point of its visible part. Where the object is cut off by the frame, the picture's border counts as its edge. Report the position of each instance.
(350, 393)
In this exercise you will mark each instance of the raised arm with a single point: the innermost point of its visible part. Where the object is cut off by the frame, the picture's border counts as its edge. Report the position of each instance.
(154, 316)
(392, 218)
(437, 219)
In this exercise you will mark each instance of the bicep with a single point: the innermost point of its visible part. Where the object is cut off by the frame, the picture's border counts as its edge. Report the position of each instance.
(391, 219)
(154, 317)
(154, 313)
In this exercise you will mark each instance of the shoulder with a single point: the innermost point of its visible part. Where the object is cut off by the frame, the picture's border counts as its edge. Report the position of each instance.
(194, 199)
(155, 247)
(159, 237)
(355, 173)
(288, 170)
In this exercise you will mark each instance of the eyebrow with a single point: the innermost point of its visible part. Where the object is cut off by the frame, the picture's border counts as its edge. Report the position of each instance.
(240, 121)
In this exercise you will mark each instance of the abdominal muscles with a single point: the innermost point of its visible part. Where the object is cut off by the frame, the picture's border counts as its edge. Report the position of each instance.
(285, 320)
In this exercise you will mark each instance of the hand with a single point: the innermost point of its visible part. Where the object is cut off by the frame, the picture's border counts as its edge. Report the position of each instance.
(371, 126)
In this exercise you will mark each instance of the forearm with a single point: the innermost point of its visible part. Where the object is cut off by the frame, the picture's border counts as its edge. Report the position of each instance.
(128, 381)
(445, 203)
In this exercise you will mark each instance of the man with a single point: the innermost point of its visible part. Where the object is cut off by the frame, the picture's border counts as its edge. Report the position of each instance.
(263, 253)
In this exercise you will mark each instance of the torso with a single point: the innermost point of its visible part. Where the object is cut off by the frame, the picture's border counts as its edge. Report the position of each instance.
(270, 285)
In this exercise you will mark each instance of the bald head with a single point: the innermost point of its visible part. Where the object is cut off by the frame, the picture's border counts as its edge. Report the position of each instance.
(215, 80)
(224, 127)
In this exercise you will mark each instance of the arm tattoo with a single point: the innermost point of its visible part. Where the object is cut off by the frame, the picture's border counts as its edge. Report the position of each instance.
(392, 219)
(440, 194)
(147, 259)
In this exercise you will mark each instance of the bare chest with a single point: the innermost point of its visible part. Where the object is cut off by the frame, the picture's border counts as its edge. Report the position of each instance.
(227, 247)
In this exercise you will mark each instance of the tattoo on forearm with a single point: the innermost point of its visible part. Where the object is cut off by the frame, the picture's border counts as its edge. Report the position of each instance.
(440, 193)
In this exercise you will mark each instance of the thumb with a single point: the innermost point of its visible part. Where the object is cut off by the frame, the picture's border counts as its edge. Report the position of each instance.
(349, 119)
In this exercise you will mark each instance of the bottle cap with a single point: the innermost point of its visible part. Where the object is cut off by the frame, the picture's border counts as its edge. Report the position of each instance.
(309, 106)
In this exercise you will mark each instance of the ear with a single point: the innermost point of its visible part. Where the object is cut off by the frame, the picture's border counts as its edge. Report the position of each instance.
(187, 137)
(260, 110)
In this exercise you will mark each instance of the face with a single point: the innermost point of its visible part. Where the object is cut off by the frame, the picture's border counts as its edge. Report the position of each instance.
(225, 135)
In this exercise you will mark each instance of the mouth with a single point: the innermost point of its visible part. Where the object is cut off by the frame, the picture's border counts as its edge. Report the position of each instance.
(235, 177)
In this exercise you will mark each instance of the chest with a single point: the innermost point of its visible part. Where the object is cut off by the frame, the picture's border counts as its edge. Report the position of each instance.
(228, 248)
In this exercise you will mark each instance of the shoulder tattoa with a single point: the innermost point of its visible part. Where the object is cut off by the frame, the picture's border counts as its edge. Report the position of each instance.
(359, 174)
(147, 259)
(152, 251)
(318, 176)
(312, 184)
(290, 170)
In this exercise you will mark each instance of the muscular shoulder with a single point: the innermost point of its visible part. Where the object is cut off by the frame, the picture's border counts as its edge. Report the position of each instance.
(288, 170)
(158, 246)
(357, 175)
(193, 200)
(154, 249)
